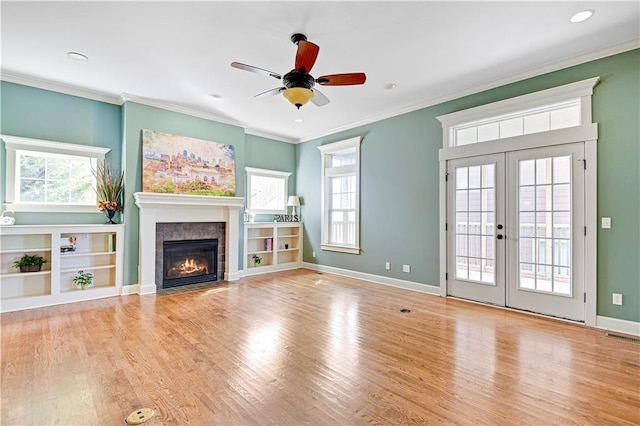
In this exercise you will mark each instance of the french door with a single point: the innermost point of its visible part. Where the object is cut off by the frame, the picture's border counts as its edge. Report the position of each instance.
(515, 226)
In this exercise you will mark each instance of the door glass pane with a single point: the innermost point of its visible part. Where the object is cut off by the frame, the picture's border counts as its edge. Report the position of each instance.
(475, 213)
(562, 169)
(461, 178)
(562, 197)
(474, 177)
(527, 172)
(544, 225)
(543, 171)
(543, 200)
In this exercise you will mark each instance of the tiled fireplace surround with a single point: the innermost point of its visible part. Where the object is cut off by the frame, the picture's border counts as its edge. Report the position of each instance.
(171, 214)
(184, 232)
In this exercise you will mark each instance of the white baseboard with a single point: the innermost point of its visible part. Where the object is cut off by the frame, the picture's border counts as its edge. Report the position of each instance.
(130, 289)
(147, 288)
(378, 279)
(233, 276)
(621, 326)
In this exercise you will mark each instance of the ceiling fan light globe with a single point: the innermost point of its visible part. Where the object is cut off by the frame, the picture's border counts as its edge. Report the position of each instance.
(298, 96)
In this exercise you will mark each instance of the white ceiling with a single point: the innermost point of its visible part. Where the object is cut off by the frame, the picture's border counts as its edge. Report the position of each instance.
(174, 54)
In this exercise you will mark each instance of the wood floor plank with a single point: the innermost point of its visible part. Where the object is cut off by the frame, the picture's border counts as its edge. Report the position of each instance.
(302, 347)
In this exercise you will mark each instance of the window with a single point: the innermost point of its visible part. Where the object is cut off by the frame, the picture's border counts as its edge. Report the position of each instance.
(51, 176)
(267, 190)
(543, 119)
(341, 196)
(549, 110)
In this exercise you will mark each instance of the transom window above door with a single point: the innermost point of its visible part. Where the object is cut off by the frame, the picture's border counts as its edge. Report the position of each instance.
(535, 120)
(544, 111)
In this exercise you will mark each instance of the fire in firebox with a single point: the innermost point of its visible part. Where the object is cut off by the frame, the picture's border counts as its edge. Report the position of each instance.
(189, 262)
(188, 268)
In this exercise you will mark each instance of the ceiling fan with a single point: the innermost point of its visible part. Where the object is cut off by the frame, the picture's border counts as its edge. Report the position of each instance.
(298, 83)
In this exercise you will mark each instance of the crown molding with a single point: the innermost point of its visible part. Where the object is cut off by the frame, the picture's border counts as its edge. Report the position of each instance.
(127, 97)
(266, 135)
(66, 89)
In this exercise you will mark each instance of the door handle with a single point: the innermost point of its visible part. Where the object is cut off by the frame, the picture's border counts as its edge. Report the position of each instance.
(500, 236)
(499, 226)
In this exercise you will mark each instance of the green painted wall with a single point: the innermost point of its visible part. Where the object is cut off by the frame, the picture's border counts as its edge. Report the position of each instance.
(399, 189)
(42, 114)
(270, 154)
(399, 211)
(137, 117)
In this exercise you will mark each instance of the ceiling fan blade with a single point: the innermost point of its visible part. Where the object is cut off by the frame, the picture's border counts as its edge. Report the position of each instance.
(319, 99)
(306, 55)
(342, 79)
(271, 92)
(257, 70)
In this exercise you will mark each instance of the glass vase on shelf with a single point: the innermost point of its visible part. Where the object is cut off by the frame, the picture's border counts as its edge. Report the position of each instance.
(110, 209)
(110, 214)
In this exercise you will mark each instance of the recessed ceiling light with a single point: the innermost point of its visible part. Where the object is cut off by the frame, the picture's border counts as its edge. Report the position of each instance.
(298, 120)
(582, 16)
(215, 96)
(77, 56)
(390, 86)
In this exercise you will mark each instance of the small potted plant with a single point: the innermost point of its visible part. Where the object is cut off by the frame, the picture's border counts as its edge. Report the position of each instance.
(257, 260)
(30, 263)
(83, 280)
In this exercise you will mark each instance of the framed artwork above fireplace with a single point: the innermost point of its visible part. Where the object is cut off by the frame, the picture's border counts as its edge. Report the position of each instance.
(173, 164)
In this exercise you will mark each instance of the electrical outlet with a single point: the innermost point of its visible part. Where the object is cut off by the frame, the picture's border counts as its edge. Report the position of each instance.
(406, 268)
(313, 254)
(617, 299)
(387, 266)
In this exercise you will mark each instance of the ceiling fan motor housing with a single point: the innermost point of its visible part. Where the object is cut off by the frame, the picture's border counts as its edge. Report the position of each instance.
(297, 79)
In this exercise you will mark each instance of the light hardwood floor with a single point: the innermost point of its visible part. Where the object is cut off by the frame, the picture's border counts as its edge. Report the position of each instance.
(302, 347)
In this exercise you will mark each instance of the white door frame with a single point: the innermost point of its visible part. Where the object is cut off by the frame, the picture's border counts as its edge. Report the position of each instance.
(587, 133)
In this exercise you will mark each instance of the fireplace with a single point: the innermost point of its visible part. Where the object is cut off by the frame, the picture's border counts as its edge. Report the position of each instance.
(174, 209)
(189, 262)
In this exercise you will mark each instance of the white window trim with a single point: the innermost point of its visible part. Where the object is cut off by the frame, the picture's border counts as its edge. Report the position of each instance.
(326, 151)
(587, 132)
(582, 90)
(13, 143)
(252, 171)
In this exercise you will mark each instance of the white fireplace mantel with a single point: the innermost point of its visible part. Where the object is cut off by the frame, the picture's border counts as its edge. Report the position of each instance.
(167, 208)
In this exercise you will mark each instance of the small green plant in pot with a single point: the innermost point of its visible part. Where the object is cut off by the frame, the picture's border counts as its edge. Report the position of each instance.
(30, 263)
(257, 260)
(83, 280)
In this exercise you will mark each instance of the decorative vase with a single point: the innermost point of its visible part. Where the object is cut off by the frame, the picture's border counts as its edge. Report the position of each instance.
(110, 214)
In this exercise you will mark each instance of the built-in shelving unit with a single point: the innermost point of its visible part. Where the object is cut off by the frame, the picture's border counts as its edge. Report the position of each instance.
(278, 244)
(96, 248)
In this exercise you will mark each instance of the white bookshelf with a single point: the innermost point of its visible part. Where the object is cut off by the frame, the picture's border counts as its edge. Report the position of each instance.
(98, 249)
(282, 253)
